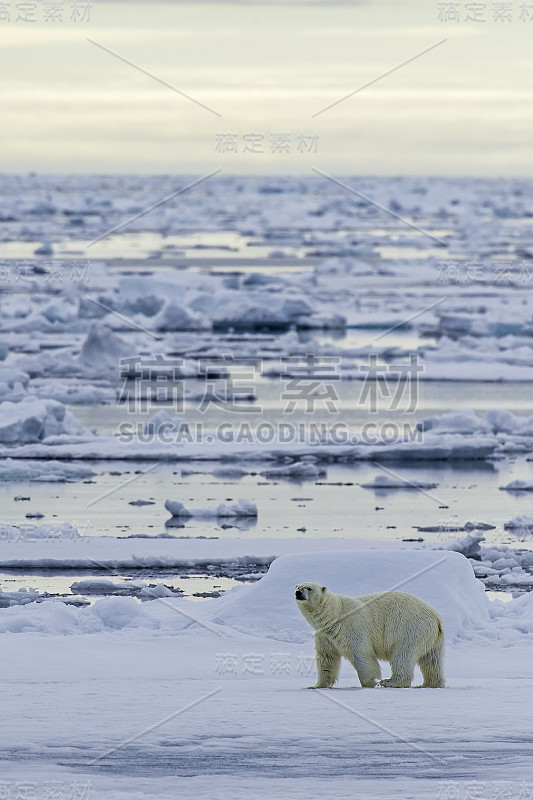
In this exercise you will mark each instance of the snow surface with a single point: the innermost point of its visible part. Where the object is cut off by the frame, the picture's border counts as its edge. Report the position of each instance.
(216, 705)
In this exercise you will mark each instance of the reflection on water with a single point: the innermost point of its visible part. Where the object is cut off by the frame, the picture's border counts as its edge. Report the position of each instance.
(191, 586)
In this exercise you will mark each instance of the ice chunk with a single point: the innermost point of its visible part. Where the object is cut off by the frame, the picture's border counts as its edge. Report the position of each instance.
(176, 317)
(105, 586)
(301, 469)
(20, 598)
(34, 420)
(243, 508)
(62, 310)
(468, 545)
(103, 349)
(44, 471)
(522, 523)
(13, 384)
(518, 486)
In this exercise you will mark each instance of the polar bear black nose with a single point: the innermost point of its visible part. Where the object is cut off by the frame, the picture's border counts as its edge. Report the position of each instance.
(298, 594)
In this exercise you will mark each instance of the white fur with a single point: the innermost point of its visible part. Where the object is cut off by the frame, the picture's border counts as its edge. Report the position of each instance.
(389, 626)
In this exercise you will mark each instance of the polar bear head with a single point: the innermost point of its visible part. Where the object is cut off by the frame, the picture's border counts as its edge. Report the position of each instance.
(309, 593)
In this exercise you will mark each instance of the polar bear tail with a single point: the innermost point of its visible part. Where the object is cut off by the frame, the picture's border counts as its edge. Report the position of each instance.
(432, 663)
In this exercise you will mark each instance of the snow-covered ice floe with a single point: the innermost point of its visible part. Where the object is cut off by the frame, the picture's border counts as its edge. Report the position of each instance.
(44, 471)
(48, 532)
(243, 508)
(213, 447)
(300, 469)
(518, 486)
(495, 421)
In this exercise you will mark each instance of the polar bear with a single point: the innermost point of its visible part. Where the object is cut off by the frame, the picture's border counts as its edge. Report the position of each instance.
(391, 626)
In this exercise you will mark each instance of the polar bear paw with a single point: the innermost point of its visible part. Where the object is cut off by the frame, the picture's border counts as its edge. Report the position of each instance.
(395, 683)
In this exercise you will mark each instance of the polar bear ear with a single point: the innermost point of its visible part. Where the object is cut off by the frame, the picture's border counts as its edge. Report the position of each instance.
(323, 589)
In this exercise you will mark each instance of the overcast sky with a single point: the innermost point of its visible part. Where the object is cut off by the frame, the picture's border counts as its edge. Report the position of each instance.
(463, 107)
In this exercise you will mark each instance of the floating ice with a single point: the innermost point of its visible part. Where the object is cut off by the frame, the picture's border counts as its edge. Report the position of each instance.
(299, 470)
(469, 545)
(518, 486)
(522, 523)
(56, 532)
(102, 349)
(34, 420)
(19, 598)
(243, 508)
(176, 317)
(387, 482)
(468, 423)
(44, 471)
(13, 384)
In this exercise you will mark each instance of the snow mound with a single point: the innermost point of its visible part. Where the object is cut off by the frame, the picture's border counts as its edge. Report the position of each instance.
(387, 482)
(445, 581)
(33, 420)
(243, 508)
(53, 616)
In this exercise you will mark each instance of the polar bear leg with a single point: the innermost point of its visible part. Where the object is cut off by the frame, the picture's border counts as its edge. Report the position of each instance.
(432, 666)
(367, 668)
(328, 662)
(403, 667)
